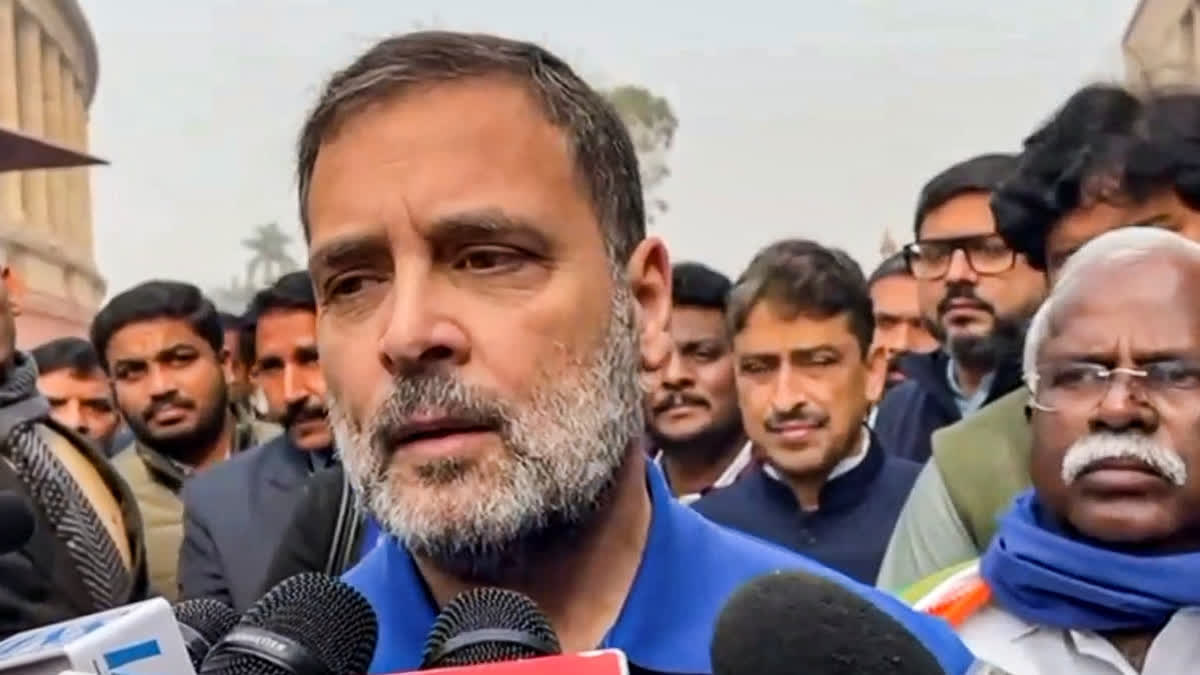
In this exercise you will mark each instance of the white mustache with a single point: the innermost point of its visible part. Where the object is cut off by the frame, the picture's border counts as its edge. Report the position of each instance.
(1098, 447)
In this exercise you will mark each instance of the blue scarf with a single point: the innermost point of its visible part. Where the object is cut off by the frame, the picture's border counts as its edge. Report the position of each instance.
(1041, 576)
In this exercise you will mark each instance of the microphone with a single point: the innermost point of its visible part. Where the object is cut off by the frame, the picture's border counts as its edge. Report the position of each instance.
(486, 625)
(793, 622)
(309, 624)
(202, 623)
(16, 522)
(141, 637)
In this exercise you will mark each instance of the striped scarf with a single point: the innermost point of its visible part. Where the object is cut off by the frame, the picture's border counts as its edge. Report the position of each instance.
(56, 495)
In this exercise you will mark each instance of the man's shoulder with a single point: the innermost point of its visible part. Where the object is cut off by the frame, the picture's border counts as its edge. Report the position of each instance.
(722, 502)
(991, 426)
(900, 469)
(227, 475)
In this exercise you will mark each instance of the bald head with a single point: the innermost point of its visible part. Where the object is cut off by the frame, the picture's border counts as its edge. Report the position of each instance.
(1149, 263)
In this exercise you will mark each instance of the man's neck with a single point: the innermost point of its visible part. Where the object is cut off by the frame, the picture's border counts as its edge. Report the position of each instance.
(969, 380)
(807, 487)
(694, 469)
(582, 589)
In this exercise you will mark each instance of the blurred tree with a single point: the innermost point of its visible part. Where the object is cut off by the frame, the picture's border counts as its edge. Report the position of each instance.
(269, 260)
(652, 125)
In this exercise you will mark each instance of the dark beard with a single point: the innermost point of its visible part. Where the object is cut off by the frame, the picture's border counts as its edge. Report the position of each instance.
(708, 445)
(985, 353)
(189, 447)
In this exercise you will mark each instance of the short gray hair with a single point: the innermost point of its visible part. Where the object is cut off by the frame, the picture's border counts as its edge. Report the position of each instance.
(605, 158)
(1101, 255)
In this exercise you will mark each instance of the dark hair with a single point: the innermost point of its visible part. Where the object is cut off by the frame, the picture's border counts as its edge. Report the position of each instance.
(157, 299)
(605, 158)
(230, 321)
(806, 278)
(1063, 165)
(1166, 151)
(978, 174)
(293, 290)
(697, 285)
(895, 265)
(66, 353)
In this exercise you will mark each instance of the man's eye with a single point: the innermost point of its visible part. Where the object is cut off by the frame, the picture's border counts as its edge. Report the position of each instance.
(488, 259)
(348, 285)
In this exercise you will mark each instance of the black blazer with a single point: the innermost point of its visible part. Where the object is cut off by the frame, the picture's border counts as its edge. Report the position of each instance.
(39, 584)
(324, 534)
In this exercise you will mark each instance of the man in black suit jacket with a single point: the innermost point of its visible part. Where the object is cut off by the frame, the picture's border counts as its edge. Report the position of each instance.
(87, 553)
(328, 532)
(235, 512)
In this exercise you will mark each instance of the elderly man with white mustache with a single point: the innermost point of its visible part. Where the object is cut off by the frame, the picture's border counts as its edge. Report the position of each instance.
(1096, 571)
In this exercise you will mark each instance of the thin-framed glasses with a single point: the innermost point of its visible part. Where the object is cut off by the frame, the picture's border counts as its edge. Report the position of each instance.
(986, 254)
(1081, 385)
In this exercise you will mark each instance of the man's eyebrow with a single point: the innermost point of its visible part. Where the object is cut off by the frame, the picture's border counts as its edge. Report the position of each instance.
(340, 252)
(486, 225)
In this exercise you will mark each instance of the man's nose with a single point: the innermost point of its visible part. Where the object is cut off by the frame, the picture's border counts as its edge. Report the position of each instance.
(69, 415)
(960, 269)
(676, 374)
(419, 332)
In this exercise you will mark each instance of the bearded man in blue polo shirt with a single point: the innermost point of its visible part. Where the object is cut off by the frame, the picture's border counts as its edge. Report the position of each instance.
(487, 296)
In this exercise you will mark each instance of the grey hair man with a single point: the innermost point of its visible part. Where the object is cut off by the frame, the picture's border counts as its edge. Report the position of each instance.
(486, 293)
(1090, 571)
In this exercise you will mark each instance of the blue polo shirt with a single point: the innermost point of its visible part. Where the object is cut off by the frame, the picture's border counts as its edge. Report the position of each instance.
(689, 568)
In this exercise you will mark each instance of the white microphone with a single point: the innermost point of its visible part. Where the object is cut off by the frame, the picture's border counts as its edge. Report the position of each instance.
(138, 639)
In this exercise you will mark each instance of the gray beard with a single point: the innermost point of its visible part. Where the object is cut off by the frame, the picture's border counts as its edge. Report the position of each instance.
(489, 519)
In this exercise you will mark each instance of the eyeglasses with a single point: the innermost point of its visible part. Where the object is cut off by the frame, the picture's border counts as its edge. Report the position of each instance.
(1078, 385)
(986, 254)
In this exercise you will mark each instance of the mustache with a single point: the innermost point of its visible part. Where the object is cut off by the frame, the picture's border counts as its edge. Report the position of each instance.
(676, 399)
(806, 415)
(439, 394)
(303, 410)
(1098, 447)
(962, 291)
(173, 400)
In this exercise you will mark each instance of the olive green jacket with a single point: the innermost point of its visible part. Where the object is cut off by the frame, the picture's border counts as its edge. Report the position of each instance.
(979, 464)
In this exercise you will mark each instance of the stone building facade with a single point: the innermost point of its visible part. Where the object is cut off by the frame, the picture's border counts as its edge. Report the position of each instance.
(48, 73)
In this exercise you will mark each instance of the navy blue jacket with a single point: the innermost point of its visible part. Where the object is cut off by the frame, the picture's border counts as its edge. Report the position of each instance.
(850, 530)
(914, 409)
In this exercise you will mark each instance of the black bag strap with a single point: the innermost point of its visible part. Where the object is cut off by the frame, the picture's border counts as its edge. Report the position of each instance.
(346, 531)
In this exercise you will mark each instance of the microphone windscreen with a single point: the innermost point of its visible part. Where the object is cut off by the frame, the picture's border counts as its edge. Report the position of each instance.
(309, 624)
(792, 622)
(203, 622)
(488, 625)
(16, 522)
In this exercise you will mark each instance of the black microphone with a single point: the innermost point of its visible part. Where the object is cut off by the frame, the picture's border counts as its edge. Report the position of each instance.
(16, 522)
(487, 625)
(309, 624)
(792, 622)
(202, 623)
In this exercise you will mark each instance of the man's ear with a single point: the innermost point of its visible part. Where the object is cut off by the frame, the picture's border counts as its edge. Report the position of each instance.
(15, 286)
(226, 361)
(876, 362)
(649, 275)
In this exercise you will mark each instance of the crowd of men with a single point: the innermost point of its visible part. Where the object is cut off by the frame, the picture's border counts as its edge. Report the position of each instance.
(491, 375)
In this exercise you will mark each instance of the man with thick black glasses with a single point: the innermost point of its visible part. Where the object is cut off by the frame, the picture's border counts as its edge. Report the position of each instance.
(976, 295)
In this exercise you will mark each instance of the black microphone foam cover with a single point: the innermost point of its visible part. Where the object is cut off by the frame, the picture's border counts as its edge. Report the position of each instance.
(791, 622)
(16, 522)
(203, 622)
(309, 624)
(487, 625)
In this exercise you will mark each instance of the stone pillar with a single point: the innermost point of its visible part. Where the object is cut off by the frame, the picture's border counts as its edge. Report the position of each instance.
(85, 181)
(12, 210)
(52, 108)
(71, 177)
(29, 79)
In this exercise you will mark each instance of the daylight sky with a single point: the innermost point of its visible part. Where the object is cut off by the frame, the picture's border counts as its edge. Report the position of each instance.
(807, 118)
